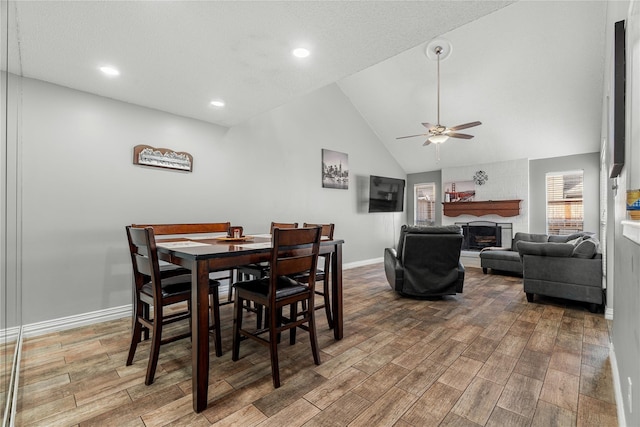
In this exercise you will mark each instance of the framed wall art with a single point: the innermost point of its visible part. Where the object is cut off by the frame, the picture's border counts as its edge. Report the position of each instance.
(335, 169)
(459, 191)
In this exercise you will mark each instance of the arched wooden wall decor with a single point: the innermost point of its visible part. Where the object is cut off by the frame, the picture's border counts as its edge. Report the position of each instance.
(162, 158)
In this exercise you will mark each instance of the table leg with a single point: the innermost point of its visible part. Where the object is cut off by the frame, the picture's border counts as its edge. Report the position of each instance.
(336, 294)
(200, 334)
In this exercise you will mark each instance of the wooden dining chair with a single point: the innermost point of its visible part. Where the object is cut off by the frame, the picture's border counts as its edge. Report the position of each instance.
(259, 270)
(153, 293)
(323, 273)
(294, 252)
(186, 229)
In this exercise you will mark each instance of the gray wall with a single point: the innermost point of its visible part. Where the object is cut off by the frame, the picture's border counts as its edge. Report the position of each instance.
(590, 164)
(80, 187)
(422, 178)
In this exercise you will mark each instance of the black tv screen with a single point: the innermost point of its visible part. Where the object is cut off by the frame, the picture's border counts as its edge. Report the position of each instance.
(386, 194)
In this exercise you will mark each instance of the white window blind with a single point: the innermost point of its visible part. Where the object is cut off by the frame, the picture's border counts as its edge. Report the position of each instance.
(565, 209)
(425, 204)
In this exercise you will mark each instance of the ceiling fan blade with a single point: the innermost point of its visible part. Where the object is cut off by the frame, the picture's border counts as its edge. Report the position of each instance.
(465, 126)
(459, 135)
(428, 125)
(412, 136)
(427, 142)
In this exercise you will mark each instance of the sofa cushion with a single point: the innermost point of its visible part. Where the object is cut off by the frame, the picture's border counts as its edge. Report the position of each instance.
(587, 248)
(527, 237)
(546, 249)
(500, 255)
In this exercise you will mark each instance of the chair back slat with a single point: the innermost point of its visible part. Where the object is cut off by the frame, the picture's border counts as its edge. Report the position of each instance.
(294, 265)
(282, 225)
(327, 232)
(167, 229)
(143, 265)
(327, 229)
(295, 236)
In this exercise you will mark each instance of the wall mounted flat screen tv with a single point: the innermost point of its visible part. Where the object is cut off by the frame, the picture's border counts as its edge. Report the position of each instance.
(386, 194)
(616, 141)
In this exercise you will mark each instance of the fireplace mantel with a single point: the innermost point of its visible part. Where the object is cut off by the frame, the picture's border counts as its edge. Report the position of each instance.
(504, 208)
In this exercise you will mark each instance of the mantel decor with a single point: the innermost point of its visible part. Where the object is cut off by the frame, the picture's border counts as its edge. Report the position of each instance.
(459, 191)
(504, 208)
(147, 155)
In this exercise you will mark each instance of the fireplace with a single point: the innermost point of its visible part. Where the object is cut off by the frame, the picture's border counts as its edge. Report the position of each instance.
(483, 234)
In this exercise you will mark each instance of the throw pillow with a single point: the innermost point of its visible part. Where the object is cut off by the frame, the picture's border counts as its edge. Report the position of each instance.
(587, 248)
(575, 241)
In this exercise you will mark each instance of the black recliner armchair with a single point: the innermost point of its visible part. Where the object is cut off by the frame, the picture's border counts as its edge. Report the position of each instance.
(427, 261)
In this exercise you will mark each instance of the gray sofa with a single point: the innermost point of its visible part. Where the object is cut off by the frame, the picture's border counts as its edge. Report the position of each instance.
(571, 270)
(507, 259)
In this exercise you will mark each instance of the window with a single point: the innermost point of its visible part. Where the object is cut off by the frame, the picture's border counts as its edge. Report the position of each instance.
(565, 211)
(425, 204)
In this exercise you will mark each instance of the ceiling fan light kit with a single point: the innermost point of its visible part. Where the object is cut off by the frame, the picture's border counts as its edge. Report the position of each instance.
(437, 50)
(438, 139)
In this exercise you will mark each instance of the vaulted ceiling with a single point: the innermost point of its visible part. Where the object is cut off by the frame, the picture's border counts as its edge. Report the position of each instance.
(531, 71)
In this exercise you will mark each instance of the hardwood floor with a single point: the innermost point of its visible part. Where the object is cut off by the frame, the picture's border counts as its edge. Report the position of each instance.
(485, 357)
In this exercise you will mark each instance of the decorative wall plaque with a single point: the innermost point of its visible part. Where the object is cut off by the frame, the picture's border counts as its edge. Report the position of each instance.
(480, 177)
(162, 158)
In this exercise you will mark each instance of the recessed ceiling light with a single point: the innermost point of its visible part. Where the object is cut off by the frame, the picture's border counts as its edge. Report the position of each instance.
(217, 103)
(110, 71)
(301, 52)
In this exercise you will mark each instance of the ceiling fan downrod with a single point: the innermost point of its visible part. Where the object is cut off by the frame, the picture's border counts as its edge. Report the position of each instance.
(438, 51)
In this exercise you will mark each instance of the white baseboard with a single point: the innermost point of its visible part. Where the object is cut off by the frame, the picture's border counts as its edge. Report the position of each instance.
(470, 259)
(9, 335)
(70, 322)
(617, 387)
(362, 263)
(608, 313)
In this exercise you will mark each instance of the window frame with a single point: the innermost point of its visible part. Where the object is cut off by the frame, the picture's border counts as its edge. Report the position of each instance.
(416, 187)
(568, 204)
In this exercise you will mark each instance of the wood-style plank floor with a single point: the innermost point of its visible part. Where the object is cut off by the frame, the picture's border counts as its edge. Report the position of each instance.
(485, 357)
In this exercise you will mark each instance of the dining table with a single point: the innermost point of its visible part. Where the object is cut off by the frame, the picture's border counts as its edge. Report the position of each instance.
(204, 255)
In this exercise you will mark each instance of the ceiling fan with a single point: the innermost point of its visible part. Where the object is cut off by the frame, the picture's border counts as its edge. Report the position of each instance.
(439, 133)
